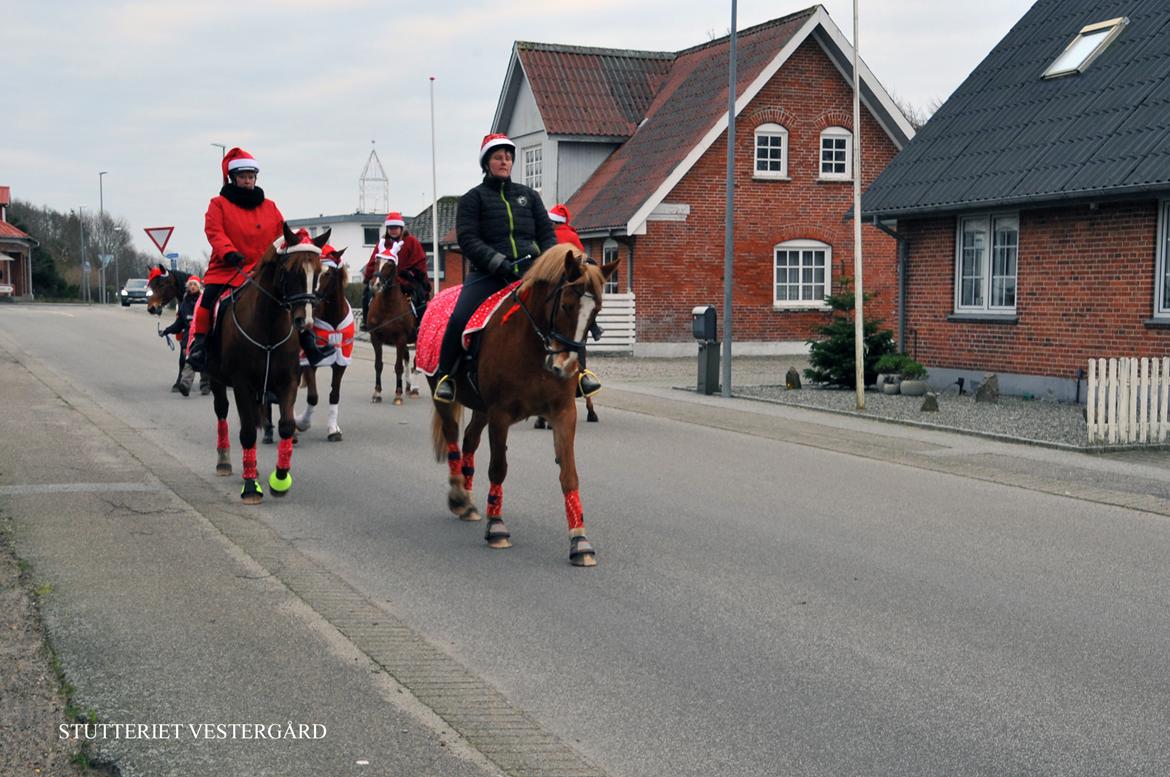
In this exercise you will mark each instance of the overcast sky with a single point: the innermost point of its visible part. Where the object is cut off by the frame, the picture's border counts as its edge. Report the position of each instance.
(143, 89)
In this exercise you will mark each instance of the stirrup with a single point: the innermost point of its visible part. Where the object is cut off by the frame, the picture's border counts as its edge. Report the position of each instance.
(587, 384)
(444, 390)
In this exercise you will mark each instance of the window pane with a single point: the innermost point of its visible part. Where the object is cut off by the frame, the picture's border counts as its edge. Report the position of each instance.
(1005, 255)
(1079, 51)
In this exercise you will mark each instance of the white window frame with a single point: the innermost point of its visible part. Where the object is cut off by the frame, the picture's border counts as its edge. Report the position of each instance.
(835, 133)
(993, 252)
(802, 246)
(1088, 44)
(1162, 285)
(770, 131)
(377, 233)
(609, 253)
(533, 167)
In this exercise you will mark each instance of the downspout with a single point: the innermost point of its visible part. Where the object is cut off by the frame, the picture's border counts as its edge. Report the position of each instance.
(903, 261)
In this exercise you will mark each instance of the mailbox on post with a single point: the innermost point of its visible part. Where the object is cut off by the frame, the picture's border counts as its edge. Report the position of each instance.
(703, 327)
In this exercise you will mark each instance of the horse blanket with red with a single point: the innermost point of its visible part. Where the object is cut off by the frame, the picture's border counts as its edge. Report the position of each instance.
(434, 324)
(340, 337)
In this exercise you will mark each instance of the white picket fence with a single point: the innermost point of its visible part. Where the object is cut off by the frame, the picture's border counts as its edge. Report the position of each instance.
(1128, 400)
(617, 318)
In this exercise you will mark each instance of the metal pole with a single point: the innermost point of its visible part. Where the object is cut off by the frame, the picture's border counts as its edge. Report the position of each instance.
(102, 231)
(858, 288)
(222, 149)
(434, 196)
(81, 239)
(729, 216)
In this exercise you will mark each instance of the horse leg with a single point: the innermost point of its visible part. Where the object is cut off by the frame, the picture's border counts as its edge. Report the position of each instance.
(564, 424)
(377, 369)
(248, 408)
(445, 436)
(265, 412)
(540, 423)
(411, 388)
(334, 402)
(280, 481)
(305, 420)
(466, 468)
(223, 443)
(401, 356)
(496, 533)
(591, 414)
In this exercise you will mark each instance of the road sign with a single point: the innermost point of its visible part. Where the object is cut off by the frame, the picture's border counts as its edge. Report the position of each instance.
(174, 257)
(160, 236)
(105, 259)
(85, 266)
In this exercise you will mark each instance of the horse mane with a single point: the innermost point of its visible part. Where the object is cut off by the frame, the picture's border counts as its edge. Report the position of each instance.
(549, 268)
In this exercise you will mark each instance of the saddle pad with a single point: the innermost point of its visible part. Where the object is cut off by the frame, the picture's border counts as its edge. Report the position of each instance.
(434, 324)
(340, 337)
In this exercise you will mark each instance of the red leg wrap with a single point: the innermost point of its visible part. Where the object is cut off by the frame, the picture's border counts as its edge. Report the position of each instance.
(249, 463)
(573, 511)
(453, 459)
(468, 470)
(202, 321)
(496, 500)
(222, 441)
(284, 454)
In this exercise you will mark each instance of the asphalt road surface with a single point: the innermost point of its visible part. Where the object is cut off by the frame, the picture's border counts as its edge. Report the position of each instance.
(759, 607)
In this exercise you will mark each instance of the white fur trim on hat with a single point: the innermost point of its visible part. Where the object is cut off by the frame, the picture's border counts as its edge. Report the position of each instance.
(247, 163)
(558, 218)
(395, 222)
(486, 148)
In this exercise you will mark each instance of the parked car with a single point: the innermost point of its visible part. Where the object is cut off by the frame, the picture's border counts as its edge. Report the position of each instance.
(134, 291)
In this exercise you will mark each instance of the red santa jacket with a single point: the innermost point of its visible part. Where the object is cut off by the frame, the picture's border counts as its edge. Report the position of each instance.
(232, 228)
(567, 234)
(411, 256)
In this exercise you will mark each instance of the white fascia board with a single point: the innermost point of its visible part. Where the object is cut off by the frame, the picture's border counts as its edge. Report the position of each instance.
(638, 220)
(505, 101)
(867, 77)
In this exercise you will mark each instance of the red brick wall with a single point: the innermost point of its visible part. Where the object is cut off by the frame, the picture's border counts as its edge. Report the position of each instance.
(680, 265)
(1085, 286)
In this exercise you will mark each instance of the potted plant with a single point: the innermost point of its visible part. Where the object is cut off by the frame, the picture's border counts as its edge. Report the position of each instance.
(898, 373)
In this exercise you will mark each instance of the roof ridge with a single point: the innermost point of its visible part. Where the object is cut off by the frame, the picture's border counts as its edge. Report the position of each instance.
(751, 30)
(563, 48)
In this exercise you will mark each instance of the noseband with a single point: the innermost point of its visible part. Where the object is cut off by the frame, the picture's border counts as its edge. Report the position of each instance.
(550, 334)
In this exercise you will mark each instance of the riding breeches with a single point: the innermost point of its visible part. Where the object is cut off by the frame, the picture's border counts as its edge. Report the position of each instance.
(477, 288)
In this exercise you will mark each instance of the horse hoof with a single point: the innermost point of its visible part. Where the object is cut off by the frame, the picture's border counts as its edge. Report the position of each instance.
(581, 553)
(591, 417)
(223, 470)
(278, 486)
(414, 392)
(303, 427)
(584, 560)
(470, 515)
(500, 543)
(398, 399)
(335, 437)
(251, 493)
(376, 398)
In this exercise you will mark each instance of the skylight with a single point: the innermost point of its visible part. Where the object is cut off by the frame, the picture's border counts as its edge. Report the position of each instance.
(1085, 47)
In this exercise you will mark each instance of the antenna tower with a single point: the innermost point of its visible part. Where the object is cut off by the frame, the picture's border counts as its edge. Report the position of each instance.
(373, 186)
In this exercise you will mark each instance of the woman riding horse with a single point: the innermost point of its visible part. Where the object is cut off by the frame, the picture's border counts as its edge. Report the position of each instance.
(528, 365)
(391, 323)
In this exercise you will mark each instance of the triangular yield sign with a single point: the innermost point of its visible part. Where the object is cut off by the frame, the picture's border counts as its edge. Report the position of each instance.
(160, 236)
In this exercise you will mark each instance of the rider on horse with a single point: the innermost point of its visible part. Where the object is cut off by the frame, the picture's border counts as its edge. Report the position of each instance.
(398, 245)
(501, 226)
(240, 225)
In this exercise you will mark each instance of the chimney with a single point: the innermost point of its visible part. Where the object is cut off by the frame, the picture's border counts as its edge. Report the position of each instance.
(5, 199)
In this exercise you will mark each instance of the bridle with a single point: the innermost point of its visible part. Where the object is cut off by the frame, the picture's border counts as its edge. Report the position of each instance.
(550, 335)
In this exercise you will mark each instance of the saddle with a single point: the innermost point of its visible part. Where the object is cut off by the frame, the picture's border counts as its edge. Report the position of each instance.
(434, 324)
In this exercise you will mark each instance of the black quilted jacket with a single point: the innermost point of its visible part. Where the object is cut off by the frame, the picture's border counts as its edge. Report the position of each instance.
(504, 217)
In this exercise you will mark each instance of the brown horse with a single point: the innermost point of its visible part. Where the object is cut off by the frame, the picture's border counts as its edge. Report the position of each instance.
(165, 287)
(528, 365)
(254, 349)
(391, 322)
(332, 316)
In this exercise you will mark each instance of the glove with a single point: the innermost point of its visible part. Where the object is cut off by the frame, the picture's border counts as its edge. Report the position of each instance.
(162, 333)
(499, 265)
(234, 258)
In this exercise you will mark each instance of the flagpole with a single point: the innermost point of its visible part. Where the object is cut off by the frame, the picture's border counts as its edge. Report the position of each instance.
(434, 196)
(858, 289)
(729, 214)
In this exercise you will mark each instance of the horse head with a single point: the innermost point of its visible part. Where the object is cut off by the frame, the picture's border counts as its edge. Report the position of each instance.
(164, 286)
(386, 272)
(572, 286)
(297, 267)
(334, 278)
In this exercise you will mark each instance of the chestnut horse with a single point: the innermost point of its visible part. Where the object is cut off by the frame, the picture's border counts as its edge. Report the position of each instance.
(334, 311)
(254, 349)
(528, 365)
(391, 322)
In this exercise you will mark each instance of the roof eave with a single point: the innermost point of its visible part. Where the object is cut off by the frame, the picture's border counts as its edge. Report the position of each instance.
(1142, 191)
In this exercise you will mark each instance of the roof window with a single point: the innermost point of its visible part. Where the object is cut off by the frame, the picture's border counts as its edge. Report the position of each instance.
(1085, 47)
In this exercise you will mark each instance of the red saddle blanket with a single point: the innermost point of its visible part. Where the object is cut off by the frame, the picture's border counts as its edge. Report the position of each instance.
(434, 324)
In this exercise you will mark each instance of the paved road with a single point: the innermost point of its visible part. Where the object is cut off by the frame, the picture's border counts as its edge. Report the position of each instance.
(778, 593)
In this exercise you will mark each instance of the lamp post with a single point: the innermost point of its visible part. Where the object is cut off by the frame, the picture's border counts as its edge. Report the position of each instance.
(84, 262)
(102, 234)
(434, 196)
(222, 149)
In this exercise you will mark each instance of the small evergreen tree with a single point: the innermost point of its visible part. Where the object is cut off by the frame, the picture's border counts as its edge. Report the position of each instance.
(831, 354)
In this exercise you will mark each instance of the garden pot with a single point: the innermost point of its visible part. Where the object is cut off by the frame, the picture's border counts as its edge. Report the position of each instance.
(891, 384)
(914, 388)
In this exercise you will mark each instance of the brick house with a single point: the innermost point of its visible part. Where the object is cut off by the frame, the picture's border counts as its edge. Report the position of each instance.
(15, 254)
(635, 142)
(1033, 209)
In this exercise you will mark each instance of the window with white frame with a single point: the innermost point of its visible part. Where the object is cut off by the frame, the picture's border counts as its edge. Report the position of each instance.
(986, 265)
(609, 253)
(1085, 47)
(802, 274)
(771, 151)
(1162, 303)
(534, 167)
(370, 235)
(837, 153)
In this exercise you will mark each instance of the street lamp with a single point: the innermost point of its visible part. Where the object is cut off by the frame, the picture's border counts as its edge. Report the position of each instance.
(222, 148)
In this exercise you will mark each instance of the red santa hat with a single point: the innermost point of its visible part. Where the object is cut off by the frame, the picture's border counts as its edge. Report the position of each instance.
(155, 272)
(494, 141)
(195, 278)
(394, 219)
(304, 243)
(329, 256)
(238, 160)
(559, 213)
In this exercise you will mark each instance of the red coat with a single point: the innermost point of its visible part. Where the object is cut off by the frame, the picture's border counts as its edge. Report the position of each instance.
(411, 256)
(567, 234)
(232, 228)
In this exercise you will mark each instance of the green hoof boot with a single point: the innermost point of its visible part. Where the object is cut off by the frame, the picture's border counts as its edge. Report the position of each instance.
(251, 492)
(279, 486)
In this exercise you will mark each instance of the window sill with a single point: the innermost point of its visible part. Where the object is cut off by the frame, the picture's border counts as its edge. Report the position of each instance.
(835, 180)
(983, 318)
(1156, 323)
(800, 308)
(771, 178)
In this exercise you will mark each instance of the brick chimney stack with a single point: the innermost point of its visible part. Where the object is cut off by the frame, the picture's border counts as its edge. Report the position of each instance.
(5, 199)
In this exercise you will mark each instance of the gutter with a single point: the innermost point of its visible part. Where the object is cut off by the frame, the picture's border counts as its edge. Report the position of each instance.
(903, 262)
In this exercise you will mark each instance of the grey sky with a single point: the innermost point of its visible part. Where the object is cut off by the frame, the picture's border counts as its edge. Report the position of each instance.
(142, 88)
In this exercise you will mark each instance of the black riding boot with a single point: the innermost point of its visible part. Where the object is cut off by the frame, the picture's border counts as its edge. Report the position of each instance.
(197, 353)
(367, 294)
(313, 352)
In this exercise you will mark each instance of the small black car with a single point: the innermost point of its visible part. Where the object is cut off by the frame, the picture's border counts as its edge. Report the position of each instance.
(134, 291)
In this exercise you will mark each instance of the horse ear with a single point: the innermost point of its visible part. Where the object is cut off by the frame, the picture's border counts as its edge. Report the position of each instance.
(323, 238)
(290, 237)
(162, 269)
(609, 269)
(572, 262)
(339, 253)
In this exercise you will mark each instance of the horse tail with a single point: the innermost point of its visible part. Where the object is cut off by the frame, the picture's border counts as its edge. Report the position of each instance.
(437, 437)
